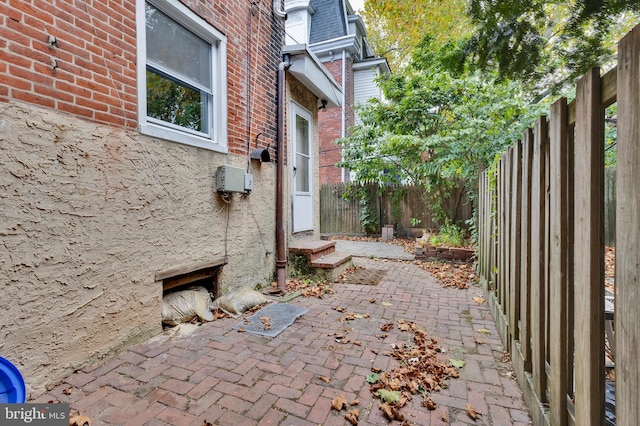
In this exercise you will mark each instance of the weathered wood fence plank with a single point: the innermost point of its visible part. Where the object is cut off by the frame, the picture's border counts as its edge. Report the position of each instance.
(627, 297)
(558, 268)
(589, 251)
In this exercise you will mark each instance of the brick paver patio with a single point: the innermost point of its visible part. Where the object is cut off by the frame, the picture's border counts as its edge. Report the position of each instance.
(232, 378)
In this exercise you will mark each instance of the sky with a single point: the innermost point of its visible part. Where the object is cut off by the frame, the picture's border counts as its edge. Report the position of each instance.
(357, 4)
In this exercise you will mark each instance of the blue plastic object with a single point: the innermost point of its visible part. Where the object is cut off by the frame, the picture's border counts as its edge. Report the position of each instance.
(12, 387)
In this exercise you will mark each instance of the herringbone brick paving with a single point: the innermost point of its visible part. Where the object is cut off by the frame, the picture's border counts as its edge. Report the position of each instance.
(231, 378)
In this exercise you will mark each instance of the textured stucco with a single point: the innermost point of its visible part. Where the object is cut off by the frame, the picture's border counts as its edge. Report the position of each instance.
(89, 214)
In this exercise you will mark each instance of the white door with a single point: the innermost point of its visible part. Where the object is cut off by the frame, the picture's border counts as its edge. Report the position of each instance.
(302, 170)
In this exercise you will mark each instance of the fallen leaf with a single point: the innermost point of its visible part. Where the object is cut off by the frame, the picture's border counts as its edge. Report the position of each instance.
(372, 378)
(68, 391)
(457, 363)
(387, 304)
(355, 402)
(386, 409)
(266, 322)
(479, 341)
(445, 416)
(484, 331)
(79, 421)
(376, 369)
(339, 309)
(324, 379)
(357, 343)
(206, 423)
(386, 327)
(241, 330)
(389, 396)
(479, 300)
(472, 412)
(352, 416)
(429, 404)
(338, 403)
(372, 300)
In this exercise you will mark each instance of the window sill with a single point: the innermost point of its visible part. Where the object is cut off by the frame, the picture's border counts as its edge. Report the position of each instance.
(171, 135)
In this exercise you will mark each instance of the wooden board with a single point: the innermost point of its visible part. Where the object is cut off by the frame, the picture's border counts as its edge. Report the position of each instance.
(627, 297)
(589, 251)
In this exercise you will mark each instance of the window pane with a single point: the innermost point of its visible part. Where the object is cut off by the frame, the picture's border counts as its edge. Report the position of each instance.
(173, 46)
(302, 173)
(175, 103)
(302, 135)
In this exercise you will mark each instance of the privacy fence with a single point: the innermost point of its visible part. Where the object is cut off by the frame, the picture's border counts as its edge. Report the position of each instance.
(541, 250)
(399, 205)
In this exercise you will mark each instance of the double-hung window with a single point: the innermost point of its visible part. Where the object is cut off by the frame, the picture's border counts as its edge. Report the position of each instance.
(181, 76)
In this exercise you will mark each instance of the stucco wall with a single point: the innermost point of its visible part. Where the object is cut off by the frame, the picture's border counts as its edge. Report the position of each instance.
(89, 214)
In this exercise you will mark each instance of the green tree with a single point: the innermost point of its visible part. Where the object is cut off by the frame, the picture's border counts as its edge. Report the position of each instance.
(548, 40)
(436, 129)
(395, 27)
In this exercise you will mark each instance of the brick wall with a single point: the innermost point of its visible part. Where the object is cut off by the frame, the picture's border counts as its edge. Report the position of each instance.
(90, 70)
(91, 209)
(330, 124)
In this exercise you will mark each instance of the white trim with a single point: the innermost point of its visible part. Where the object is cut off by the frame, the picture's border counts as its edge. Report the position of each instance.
(309, 197)
(216, 138)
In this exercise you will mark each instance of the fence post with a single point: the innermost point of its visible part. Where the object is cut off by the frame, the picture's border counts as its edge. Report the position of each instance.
(627, 298)
(558, 318)
(516, 217)
(538, 206)
(525, 271)
(589, 251)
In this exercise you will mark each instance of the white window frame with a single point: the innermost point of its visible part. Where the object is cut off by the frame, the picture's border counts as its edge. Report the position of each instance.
(216, 137)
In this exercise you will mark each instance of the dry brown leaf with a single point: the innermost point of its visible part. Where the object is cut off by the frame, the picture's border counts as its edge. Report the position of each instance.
(372, 300)
(352, 416)
(355, 402)
(376, 369)
(473, 413)
(79, 420)
(445, 416)
(479, 300)
(386, 327)
(241, 330)
(340, 309)
(206, 423)
(266, 322)
(68, 391)
(479, 341)
(386, 409)
(324, 379)
(338, 403)
(357, 343)
(429, 404)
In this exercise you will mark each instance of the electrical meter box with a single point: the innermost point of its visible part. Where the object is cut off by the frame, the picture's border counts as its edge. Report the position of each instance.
(230, 179)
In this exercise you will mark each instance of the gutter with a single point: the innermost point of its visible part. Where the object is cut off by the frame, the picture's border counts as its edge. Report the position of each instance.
(281, 254)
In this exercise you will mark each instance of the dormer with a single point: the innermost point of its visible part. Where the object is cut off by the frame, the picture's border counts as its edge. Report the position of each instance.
(298, 24)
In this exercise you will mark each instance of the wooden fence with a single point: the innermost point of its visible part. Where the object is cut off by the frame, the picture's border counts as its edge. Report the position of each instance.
(541, 251)
(340, 216)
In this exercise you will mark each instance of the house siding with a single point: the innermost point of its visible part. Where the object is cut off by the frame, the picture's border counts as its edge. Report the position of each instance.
(91, 209)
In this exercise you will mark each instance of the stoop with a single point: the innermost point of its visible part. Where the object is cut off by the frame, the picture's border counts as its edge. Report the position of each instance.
(317, 259)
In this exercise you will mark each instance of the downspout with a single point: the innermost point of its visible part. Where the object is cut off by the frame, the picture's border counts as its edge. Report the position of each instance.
(281, 255)
(344, 105)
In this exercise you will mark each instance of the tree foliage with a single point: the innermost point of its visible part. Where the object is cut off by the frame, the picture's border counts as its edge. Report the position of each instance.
(395, 27)
(548, 40)
(435, 129)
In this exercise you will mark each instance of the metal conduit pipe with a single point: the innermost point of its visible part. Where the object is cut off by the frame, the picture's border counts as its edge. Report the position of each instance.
(281, 254)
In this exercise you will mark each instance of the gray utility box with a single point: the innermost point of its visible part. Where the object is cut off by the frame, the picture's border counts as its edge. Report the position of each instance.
(233, 179)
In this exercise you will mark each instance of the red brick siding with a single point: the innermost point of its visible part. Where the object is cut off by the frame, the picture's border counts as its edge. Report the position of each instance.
(330, 125)
(91, 72)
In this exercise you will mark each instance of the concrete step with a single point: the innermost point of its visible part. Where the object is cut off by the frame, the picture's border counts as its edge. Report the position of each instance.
(313, 249)
(330, 261)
